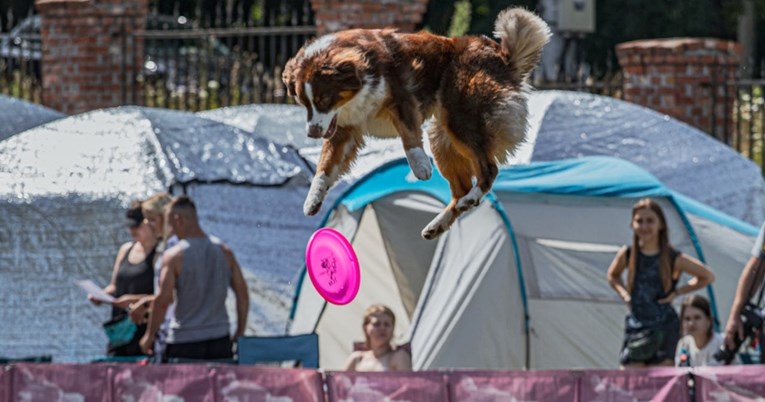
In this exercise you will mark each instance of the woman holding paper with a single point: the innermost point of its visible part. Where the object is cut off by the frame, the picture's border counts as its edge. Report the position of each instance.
(132, 279)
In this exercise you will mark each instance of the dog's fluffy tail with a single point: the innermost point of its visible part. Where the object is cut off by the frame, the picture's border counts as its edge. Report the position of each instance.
(523, 35)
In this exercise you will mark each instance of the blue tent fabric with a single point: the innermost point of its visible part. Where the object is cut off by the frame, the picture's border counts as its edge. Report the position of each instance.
(589, 176)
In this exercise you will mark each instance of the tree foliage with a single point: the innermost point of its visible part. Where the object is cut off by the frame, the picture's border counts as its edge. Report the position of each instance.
(618, 21)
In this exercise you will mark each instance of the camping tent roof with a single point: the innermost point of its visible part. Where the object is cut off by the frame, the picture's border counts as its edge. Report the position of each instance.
(18, 115)
(138, 147)
(592, 176)
(687, 160)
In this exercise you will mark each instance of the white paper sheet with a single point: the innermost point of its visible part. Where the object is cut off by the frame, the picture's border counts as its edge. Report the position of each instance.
(95, 290)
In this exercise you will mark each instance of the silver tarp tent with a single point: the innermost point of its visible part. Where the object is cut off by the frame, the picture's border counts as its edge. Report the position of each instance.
(572, 125)
(17, 115)
(64, 187)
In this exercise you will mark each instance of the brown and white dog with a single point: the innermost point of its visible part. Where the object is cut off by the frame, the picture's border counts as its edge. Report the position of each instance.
(385, 83)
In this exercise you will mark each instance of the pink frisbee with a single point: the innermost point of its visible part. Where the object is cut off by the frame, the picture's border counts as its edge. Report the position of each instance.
(332, 266)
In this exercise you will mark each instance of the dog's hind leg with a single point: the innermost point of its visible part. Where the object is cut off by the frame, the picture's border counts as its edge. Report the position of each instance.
(457, 170)
(473, 142)
(488, 171)
(337, 155)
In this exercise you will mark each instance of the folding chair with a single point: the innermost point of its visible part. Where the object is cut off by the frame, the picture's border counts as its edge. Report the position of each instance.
(303, 349)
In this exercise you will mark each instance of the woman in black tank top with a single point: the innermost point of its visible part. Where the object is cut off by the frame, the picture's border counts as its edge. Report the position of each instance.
(133, 276)
(653, 270)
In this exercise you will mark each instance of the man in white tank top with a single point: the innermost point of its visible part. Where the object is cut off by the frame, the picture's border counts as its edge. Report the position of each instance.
(199, 270)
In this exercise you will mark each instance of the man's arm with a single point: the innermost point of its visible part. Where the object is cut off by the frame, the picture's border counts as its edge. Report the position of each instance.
(171, 263)
(734, 326)
(239, 285)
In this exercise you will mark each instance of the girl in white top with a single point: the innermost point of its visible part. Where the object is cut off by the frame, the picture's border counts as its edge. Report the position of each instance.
(380, 355)
(700, 342)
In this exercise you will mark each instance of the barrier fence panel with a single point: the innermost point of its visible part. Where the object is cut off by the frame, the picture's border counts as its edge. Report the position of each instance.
(5, 383)
(528, 386)
(635, 385)
(389, 387)
(268, 384)
(730, 383)
(211, 383)
(59, 382)
(162, 383)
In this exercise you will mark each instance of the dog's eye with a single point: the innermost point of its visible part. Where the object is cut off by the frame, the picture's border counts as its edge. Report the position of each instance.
(323, 100)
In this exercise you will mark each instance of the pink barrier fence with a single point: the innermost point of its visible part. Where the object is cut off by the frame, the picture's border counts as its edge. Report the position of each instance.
(363, 387)
(112, 382)
(732, 383)
(128, 382)
(552, 386)
(655, 385)
(5, 384)
(59, 382)
(241, 383)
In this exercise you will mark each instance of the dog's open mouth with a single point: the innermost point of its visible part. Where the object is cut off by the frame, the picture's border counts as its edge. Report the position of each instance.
(331, 129)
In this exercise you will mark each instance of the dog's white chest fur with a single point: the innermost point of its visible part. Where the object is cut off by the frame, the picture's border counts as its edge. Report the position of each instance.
(361, 111)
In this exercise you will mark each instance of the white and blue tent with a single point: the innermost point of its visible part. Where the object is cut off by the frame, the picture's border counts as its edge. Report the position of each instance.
(519, 282)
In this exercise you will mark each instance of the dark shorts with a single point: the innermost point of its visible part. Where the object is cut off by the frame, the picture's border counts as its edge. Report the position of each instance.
(213, 349)
(670, 334)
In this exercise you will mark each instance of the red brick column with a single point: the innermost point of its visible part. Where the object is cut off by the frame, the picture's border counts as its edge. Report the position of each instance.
(684, 78)
(89, 59)
(336, 15)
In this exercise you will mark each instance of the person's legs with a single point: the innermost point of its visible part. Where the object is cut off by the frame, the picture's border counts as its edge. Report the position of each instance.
(190, 350)
(212, 349)
(219, 348)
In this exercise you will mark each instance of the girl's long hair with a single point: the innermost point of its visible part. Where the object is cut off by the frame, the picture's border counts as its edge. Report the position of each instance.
(665, 265)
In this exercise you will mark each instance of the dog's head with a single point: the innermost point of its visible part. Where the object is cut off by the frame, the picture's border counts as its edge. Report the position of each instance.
(324, 79)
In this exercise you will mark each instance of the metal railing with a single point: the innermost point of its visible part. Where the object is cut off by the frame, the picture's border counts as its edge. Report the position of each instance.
(20, 67)
(748, 128)
(210, 68)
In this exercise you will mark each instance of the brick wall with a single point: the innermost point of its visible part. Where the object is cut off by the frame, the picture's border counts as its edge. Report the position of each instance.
(336, 15)
(684, 78)
(89, 58)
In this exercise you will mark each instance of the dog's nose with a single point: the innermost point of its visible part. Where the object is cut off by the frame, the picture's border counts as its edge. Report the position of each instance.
(315, 131)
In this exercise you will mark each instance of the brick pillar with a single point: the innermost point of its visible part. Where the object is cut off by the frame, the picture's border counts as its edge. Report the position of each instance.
(90, 60)
(684, 78)
(336, 15)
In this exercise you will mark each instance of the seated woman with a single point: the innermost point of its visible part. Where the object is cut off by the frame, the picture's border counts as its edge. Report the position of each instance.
(700, 342)
(380, 355)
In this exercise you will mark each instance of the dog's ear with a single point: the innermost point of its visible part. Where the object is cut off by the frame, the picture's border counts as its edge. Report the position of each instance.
(348, 67)
(289, 75)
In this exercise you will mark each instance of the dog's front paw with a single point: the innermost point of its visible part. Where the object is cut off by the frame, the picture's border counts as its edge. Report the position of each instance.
(319, 186)
(438, 225)
(419, 163)
(312, 205)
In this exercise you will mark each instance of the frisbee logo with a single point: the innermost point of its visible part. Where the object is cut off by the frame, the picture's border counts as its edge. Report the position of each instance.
(329, 267)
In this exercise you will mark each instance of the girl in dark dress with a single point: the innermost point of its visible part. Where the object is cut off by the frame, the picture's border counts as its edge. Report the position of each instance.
(653, 270)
